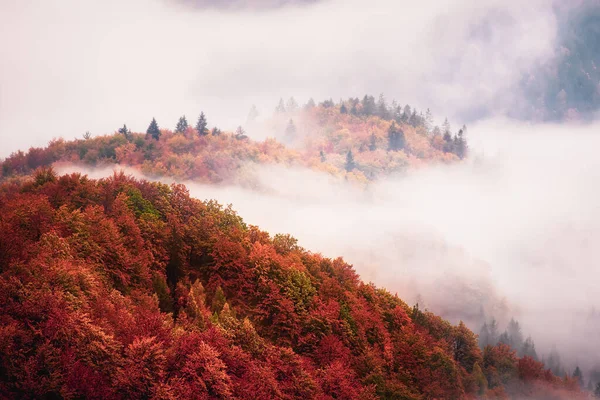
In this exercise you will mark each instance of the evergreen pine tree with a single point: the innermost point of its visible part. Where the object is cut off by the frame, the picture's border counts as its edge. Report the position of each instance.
(368, 105)
(428, 120)
(280, 107)
(322, 155)
(597, 390)
(153, 130)
(328, 103)
(343, 109)
(406, 113)
(484, 336)
(373, 142)
(397, 114)
(240, 133)
(446, 127)
(182, 125)
(382, 109)
(515, 335)
(460, 145)
(87, 135)
(594, 376)
(124, 131)
(553, 363)
(290, 131)
(493, 328)
(414, 119)
(218, 301)
(252, 114)
(448, 142)
(216, 131)
(350, 164)
(354, 109)
(504, 338)
(396, 140)
(201, 125)
(291, 105)
(577, 374)
(528, 349)
(310, 104)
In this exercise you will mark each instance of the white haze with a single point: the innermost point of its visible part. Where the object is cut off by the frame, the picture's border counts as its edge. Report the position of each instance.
(513, 229)
(511, 232)
(71, 66)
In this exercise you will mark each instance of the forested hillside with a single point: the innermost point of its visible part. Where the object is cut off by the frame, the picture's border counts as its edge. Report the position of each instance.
(567, 87)
(118, 288)
(358, 139)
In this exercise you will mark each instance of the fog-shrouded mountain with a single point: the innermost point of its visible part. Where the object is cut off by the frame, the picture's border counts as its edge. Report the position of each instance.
(567, 86)
(365, 178)
(362, 139)
(118, 288)
(467, 219)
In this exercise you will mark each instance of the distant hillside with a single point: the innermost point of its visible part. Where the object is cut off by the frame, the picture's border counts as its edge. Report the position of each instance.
(568, 86)
(359, 139)
(118, 288)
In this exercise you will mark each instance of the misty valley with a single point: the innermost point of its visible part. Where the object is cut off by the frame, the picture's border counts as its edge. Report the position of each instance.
(197, 200)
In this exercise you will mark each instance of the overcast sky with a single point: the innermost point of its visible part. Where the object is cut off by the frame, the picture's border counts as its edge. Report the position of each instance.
(69, 66)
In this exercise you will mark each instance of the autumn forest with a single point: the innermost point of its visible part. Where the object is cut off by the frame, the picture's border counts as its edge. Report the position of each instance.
(128, 288)
(299, 199)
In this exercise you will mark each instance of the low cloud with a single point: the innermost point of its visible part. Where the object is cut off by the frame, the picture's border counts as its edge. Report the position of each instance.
(84, 65)
(510, 232)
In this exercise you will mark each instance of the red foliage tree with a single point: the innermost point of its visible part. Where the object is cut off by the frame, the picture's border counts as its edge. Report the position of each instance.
(119, 288)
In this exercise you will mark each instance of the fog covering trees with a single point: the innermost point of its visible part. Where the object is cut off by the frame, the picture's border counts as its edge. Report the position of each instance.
(506, 41)
(504, 338)
(229, 311)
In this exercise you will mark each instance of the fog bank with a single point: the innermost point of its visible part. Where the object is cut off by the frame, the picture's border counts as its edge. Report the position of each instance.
(82, 65)
(509, 232)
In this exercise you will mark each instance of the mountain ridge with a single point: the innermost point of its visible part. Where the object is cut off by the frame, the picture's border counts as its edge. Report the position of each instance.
(120, 287)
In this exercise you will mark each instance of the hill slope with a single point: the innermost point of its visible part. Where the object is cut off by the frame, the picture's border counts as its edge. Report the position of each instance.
(567, 87)
(120, 288)
(358, 139)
